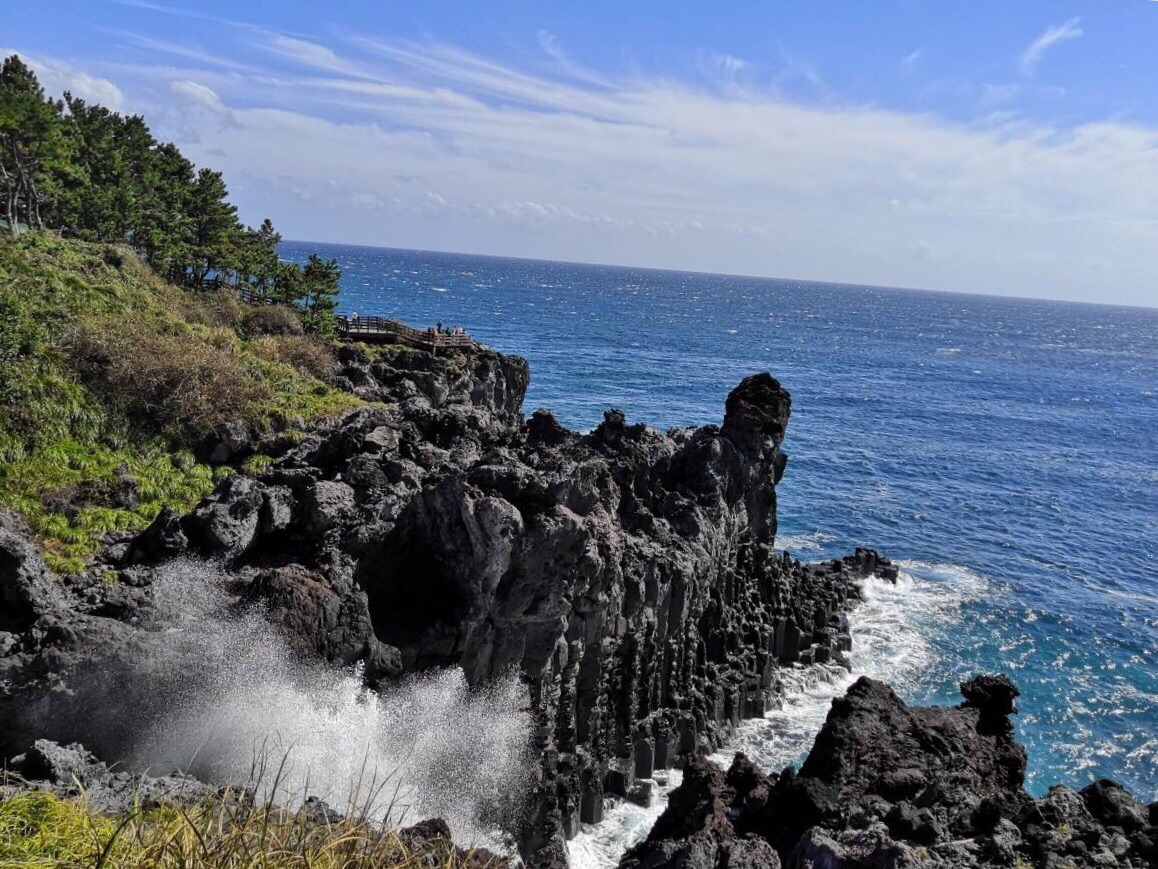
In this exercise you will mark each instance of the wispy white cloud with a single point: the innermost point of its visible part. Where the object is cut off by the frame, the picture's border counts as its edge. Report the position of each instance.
(549, 42)
(185, 51)
(198, 95)
(1033, 54)
(911, 60)
(430, 145)
(798, 70)
(310, 54)
(723, 70)
(197, 111)
(59, 76)
(1006, 94)
(563, 64)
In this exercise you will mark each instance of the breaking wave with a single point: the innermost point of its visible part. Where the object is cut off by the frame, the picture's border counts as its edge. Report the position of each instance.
(890, 631)
(228, 689)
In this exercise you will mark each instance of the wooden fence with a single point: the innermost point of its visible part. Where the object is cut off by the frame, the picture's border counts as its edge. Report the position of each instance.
(386, 331)
(374, 330)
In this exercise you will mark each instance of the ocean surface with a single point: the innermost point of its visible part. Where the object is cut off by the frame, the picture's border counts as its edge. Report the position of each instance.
(1005, 451)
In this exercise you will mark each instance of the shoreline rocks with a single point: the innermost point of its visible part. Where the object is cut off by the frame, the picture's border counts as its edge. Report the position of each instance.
(888, 785)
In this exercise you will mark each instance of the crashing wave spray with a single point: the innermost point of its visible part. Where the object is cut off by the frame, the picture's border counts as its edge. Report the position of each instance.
(227, 686)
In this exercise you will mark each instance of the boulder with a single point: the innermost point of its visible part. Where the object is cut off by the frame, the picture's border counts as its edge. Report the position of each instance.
(326, 506)
(235, 442)
(888, 785)
(225, 523)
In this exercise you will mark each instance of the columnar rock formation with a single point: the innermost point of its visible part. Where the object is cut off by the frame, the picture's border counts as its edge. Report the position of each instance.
(628, 574)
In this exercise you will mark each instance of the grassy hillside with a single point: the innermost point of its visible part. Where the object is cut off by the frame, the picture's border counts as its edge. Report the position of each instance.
(113, 383)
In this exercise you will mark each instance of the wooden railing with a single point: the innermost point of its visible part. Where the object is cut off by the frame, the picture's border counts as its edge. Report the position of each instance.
(248, 296)
(370, 329)
(381, 329)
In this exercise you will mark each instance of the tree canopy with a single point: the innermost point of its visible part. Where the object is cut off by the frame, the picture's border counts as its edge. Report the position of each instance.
(97, 175)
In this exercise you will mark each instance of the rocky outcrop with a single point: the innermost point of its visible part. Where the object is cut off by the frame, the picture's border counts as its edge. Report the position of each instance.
(696, 828)
(628, 574)
(889, 785)
(28, 591)
(71, 771)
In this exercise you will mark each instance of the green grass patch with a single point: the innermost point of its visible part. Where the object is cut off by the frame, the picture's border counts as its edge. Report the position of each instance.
(113, 382)
(68, 491)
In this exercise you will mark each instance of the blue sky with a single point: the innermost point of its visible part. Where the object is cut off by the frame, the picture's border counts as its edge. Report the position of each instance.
(976, 146)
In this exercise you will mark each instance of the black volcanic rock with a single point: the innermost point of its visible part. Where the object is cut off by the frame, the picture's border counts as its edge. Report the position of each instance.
(695, 832)
(889, 785)
(28, 591)
(628, 574)
(71, 770)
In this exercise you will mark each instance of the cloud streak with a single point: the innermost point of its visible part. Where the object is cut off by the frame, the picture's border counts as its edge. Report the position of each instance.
(1031, 57)
(425, 144)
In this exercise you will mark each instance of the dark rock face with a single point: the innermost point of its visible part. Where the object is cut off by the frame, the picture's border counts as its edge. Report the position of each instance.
(627, 573)
(27, 590)
(69, 770)
(696, 832)
(888, 785)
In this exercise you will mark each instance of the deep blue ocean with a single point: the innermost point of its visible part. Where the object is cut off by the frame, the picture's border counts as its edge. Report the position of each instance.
(1005, 451)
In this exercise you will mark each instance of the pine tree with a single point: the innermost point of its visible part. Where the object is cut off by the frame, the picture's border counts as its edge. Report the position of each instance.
(257, 260)
(321, 278)
(214, 225)
(34, 148)
(91, 172)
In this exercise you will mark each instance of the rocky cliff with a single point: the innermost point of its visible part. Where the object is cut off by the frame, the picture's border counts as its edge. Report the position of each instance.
(887, 785)
(628, 574)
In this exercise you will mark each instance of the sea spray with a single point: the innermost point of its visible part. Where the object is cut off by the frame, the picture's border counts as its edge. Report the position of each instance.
(225, 687)
(889, 642)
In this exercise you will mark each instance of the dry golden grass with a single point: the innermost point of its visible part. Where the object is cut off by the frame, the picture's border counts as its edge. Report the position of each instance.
(174, 382)
(38, 829)
(307, 355)
(272, 320)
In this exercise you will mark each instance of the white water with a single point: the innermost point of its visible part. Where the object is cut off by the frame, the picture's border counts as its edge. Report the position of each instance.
(889, 631)
(232, 689)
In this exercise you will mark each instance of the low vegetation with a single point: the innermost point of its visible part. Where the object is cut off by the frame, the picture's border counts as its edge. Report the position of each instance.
(114, 383)
(38, 829)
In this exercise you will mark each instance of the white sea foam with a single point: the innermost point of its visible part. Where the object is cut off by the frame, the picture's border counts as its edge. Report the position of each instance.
(429, 747)
(805, 542)
(624, 823)
(889, 642)
(889, 631)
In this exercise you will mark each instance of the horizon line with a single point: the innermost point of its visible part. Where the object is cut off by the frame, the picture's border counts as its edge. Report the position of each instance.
(743, 275)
